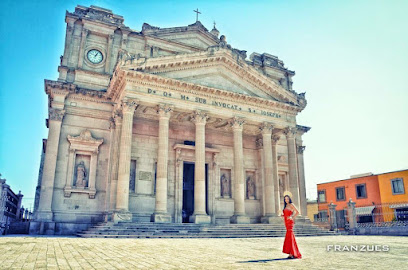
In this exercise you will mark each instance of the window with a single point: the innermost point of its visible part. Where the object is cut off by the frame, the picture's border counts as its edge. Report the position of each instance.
(361, 191)
(340, 196)
(321, 195)
(397, 185)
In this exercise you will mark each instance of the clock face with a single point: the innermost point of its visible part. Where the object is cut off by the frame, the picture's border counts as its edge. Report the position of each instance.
(94, 56)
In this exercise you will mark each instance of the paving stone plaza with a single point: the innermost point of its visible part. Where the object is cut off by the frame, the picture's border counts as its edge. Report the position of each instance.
(242, 253)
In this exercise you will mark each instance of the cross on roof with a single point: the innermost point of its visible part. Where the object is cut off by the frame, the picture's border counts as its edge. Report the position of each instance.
(198, 12)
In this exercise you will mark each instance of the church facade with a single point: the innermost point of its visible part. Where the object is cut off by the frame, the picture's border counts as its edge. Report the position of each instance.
(166, 125)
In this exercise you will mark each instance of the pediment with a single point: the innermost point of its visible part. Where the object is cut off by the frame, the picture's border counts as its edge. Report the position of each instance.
(219, 78)
(218, 69)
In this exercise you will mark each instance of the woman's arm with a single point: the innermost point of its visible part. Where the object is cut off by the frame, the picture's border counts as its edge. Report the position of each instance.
(294, 209)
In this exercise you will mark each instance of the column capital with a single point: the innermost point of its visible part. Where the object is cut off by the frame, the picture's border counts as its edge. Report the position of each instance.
(164, 110)
(56, 114)
(300, 149)
(129, 105)
(237, 123)
(290, 132)
(275, 138)
(199, 117)
(266, 128)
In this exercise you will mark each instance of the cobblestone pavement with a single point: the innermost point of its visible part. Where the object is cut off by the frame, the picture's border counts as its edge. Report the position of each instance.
(257, 253)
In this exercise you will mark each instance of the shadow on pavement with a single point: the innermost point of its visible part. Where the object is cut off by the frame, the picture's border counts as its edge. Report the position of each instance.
(265, 261)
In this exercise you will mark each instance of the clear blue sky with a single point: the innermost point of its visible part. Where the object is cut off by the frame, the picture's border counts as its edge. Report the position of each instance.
(349, 56)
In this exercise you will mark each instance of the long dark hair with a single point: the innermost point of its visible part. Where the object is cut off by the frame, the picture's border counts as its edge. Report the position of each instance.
(284, 201)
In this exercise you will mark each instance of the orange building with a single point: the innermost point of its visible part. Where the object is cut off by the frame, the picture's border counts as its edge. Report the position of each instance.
(378, 198)
(362, 189)
(394, 195)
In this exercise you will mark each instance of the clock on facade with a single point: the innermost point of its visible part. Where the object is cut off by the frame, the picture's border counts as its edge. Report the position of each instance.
(94, 56)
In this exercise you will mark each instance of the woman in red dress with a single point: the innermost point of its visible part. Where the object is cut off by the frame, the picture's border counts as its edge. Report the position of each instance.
(289, 214)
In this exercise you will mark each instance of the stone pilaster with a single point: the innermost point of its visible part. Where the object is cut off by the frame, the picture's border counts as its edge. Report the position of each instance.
(302, 184)
(292, 160)
(160, 212)
(108, 54)
(68, 44)
(200, 214)
(117, 118)
(239, 196)
(44, 212)
(122, 198)
(275, 139)
(266, 130)
(84, 36)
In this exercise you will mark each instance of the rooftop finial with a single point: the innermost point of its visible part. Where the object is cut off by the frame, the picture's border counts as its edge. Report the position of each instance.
(198, 12)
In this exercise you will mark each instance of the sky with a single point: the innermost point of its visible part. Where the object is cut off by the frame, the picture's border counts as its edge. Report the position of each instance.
(350, 57)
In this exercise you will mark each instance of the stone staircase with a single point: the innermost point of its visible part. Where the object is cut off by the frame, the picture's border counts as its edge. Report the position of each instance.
(187, 230)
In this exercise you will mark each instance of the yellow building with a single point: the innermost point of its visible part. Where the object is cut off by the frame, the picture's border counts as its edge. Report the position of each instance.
(393, 188)
(312, 209)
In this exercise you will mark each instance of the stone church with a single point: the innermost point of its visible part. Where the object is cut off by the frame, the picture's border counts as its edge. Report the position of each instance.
(169, 125)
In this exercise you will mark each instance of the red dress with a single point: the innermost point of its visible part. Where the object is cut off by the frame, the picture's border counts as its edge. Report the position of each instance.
(289, 245)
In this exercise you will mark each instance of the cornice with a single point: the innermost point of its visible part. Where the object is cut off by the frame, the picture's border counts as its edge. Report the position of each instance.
(74, 92)
(119, 82)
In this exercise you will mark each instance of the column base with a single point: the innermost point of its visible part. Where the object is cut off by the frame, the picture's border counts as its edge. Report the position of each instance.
(271, 219)
(160, 218)
(121, 216)
(302, 219)
(42, 228)
(44, 216)
(240, 219)
(200, 219)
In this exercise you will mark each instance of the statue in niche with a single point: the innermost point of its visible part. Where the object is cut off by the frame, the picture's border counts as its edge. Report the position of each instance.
(250, 187)
(81, 175)
(225, 187)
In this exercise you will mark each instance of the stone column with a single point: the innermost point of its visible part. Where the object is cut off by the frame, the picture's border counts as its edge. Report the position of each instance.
(117, 117)
(332, 216)
(302, 184)
(351, 212)
(160, 213)
(239, 188)
(200, 214)
(44, 212)
(293, 173)
(275, 139)
(122, 197)
(270, 214)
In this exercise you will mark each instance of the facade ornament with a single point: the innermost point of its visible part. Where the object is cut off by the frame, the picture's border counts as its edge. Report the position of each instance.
(215, 159)
(129, 105)
(300, 149)
(225, 186)
(259, 143)
(266, 128)
(56, 114)
(290, 132)
(199, 117)
(275, 138)
(164, 110)
(236, 122)
(178, 157)
(81, 176)
(250, 187)
(111, 37)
